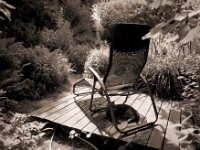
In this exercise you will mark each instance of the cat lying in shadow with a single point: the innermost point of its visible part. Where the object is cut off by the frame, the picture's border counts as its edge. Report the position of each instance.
(123, 112)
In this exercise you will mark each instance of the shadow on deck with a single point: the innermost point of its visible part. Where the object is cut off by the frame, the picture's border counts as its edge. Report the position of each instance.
(73, 112)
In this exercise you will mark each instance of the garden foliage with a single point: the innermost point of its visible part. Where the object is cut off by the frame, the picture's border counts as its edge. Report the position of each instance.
(18, 131)
(31, 72)
(72, 27)
(98, 59)
(77, 56)
(166, 57)
(59, 38)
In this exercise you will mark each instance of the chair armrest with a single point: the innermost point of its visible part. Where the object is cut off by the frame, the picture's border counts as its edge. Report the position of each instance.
(99, 79)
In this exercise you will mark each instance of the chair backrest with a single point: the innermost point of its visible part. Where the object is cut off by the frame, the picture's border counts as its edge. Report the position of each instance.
(128, 53)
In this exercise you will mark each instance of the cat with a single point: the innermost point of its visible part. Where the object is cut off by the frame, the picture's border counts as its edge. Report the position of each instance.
(123, 112)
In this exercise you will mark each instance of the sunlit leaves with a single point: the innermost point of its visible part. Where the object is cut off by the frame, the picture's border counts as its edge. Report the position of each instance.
(181, 25)
(193, 22)
(180, 16)
(5, 10)
(193, 34)
(20, 133)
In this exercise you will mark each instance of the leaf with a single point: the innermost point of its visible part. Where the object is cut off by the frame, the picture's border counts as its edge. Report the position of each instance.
(41, 134)
(154, 32)
(193, 83)
(169, 27)
(186, 122)
(193, 22)
(181, 16)
(4, 9)
(180, 77)
(2, 92)
(1, 18)
(6, 5)
(169, 2)
(183, 31)
(187, 145)
(183, 137)
(173, 38)
(194, 34)
(194, 13)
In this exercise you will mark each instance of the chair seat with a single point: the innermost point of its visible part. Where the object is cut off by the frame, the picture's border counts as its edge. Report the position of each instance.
(119, 89)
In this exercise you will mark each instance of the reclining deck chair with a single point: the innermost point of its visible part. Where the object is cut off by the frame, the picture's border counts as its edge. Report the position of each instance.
(128, 56)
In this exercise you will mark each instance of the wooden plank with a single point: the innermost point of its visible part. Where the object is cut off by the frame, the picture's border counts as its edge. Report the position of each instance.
(95, 125)
(158, 132)
(143, 136)
(87, 119)
(60, 101)
(145, 109)
(66, 115)
(51, 105)
(80, 111)
(139, 99)
(58, 113)
(163, 136)
(106, 125)
(57, 108)
(89, 116)
(57, 116)
(171, 137)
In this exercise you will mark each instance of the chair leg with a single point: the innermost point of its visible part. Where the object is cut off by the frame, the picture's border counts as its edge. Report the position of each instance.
(126, 98)
(74, 86)
(114, 121)
(92, 94)
(151, 95)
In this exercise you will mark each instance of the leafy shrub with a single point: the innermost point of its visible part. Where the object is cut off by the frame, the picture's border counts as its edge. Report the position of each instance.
(60, 38)
(167, 68)
(106, 14)
(19, 132)
(28, 19)
(98, 59)
(28, 33)
(9, 57)
(77, 57)
(79, 15)
(113, 12)
(36, 72)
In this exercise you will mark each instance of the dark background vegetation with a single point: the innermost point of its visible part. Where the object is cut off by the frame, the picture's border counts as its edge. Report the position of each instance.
(41, 44)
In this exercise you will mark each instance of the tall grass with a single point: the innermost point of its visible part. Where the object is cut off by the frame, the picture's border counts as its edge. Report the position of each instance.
(98, 59)
(77, 57)
(167, 62)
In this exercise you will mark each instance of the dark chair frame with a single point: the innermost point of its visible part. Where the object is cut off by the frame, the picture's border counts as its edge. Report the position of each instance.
(104, 90)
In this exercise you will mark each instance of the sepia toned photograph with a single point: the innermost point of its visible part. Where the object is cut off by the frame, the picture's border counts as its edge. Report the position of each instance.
(99, 74)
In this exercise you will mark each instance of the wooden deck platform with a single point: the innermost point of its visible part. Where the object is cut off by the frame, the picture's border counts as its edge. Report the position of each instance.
(72, 111)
